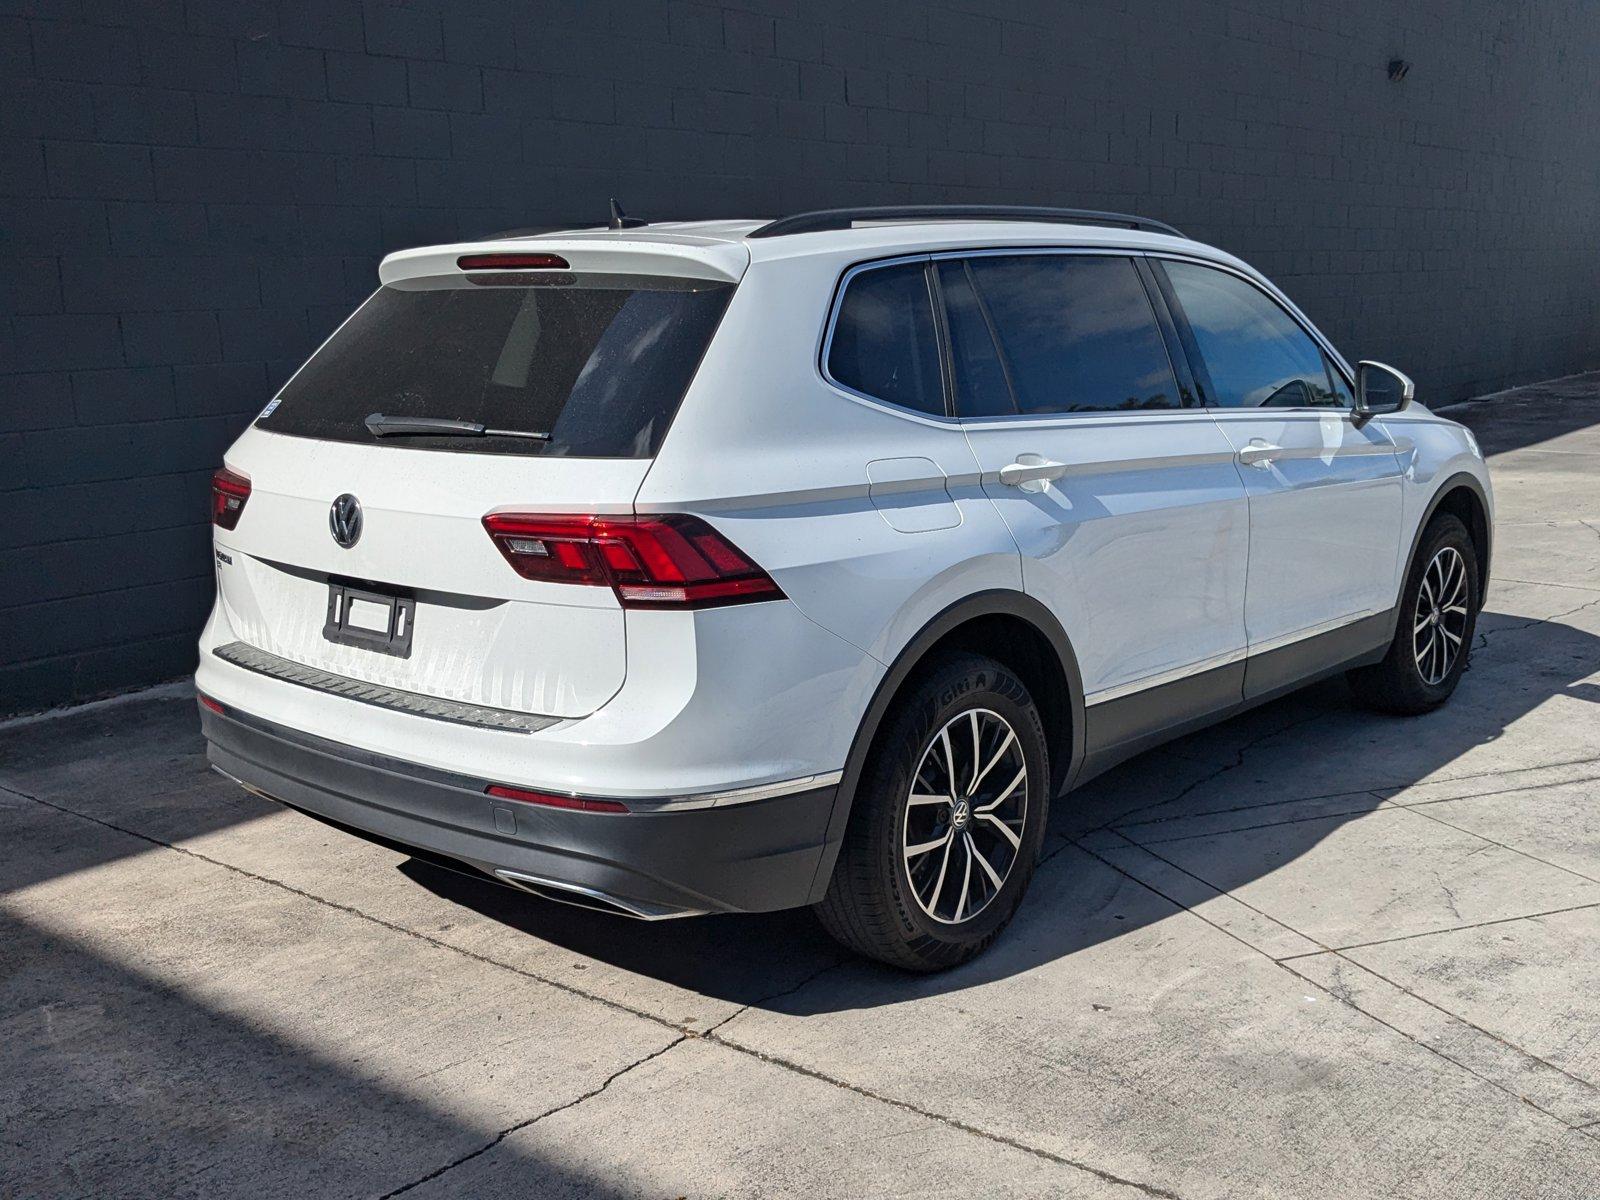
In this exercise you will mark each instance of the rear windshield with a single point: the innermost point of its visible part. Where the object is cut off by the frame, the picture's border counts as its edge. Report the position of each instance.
(598, 361)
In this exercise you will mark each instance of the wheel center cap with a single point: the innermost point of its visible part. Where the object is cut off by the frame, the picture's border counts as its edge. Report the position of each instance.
(960, 814)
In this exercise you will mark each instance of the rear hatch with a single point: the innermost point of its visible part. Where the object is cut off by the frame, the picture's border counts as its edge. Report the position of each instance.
(364, 554)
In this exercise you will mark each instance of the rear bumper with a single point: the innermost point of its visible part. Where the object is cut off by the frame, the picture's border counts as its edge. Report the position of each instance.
(754, 856)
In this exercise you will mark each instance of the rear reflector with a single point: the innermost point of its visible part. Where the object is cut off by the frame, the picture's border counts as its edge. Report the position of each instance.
(213, 705)
(229, 492)
(512, 262)
(670, 561)
(555, 800)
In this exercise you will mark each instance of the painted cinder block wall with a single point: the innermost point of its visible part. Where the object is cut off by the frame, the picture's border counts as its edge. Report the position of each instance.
(193, 192)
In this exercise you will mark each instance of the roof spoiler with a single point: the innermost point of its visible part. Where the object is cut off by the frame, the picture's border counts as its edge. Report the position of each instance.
(844, 218)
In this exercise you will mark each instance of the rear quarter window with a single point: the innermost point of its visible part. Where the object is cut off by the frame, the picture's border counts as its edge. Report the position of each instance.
(883, 342)
(598, 361)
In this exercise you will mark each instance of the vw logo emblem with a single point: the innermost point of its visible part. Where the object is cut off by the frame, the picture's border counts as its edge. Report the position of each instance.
(960, 814)
(344, 520)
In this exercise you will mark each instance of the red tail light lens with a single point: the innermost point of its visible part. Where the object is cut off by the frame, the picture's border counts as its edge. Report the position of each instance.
(229, 491)
(555, 799)
(512, 262)
(650, 562)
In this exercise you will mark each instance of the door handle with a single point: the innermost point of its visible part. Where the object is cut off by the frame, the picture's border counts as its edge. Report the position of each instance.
(1259, 454)
(1031, 472)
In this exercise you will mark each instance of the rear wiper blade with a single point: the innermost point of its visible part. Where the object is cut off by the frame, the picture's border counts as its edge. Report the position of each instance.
(380, 425)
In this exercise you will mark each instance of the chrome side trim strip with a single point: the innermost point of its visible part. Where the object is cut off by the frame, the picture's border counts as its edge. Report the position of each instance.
(1311, 631)
(1118, 691)
(455, 711)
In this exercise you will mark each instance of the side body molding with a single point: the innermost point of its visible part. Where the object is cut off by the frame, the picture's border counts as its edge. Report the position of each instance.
(980, 604)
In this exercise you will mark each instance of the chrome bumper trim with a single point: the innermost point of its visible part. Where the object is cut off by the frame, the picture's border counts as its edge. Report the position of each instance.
(591, 898)
(455, 711)
(726, 799)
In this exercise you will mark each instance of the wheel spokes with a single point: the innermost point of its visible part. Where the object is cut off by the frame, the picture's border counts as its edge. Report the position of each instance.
(972, 849)
(945, 806)
(966, 883)
(1440, 620)
(922, 848)
(1005, 745)
(1005, 793)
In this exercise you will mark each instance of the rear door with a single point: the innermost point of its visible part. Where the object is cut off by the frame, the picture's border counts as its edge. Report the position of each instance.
(1324, 492)
(1124, 501)
(575, 373)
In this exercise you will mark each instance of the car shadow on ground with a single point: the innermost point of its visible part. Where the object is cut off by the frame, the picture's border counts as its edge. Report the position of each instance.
(770, 960)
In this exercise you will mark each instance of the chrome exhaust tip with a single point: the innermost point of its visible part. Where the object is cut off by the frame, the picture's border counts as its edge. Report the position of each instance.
(590, 898)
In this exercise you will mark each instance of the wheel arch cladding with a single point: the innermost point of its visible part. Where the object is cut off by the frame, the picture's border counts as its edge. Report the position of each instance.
(1008, 626)
(1462, 496)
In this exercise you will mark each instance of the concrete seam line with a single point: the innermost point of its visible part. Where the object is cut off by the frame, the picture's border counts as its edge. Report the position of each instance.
(1509, 791)
(1476, 1028)
(1327, 816)
(1117, 826)
(1420, 810)
(1574, 587)
(352, 911)
(534, 1120)
(1148, 1189)
(956, 1123)
(1408, 937)
(1284, 964)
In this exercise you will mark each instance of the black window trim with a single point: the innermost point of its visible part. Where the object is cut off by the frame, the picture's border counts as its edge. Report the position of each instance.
(825, 347)
(1188, 364)
(1332, 360)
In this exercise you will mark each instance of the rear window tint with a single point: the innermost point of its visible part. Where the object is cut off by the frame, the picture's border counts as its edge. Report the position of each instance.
(1077, 332)
(883, 341)
(598, 361)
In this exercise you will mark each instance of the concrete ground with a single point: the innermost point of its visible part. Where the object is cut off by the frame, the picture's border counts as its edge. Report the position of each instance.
(1310, 952)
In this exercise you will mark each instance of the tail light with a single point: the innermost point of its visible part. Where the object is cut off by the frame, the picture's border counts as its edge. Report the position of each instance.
(555, 799)
(650, 562)
(229, 491)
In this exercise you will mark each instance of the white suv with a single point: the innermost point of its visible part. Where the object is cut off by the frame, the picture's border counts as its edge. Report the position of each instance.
(728, 566)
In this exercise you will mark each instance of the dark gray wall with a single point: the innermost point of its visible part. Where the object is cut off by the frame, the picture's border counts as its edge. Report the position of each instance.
(192, 193)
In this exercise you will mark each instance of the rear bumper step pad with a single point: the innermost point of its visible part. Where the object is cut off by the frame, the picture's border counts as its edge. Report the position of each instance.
(458, 712)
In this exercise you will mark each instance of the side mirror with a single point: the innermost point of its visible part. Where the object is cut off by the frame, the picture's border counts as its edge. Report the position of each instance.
(1381, 389)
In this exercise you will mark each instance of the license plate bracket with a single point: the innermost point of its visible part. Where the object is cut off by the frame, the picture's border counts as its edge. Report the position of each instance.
(373, 620)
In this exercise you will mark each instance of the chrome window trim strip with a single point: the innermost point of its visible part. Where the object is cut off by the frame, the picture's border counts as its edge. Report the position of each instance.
(1262, 284)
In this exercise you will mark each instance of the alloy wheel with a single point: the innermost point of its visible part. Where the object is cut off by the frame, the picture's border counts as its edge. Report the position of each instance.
(1439, 622)
(965, 815)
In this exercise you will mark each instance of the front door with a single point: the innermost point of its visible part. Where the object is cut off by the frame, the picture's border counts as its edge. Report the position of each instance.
(1324, 491)
(1126, 505)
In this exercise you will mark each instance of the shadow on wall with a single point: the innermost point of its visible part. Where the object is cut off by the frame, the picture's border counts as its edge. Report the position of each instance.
(1312, 734)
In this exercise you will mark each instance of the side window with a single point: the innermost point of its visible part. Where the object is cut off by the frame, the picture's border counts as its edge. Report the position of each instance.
(982, 389)
(1076, 333)
(1256, 354)
(883, 341)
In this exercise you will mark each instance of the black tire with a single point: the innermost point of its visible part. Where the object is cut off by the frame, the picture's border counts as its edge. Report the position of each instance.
(872, 905)
(1410, 679)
